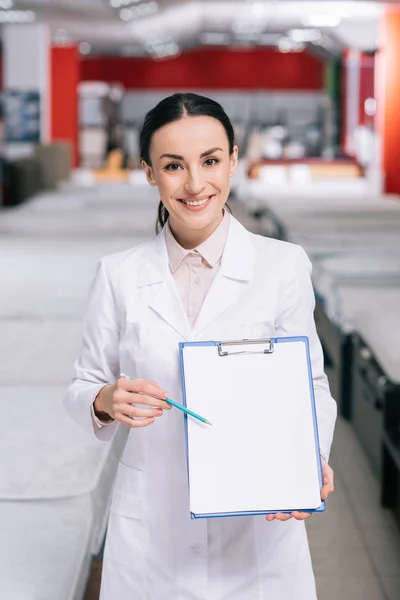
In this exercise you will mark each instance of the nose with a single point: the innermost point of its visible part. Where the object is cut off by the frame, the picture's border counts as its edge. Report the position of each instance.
(194, 183)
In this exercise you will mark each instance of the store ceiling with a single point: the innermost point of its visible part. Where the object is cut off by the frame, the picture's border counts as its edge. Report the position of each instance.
(162, 27)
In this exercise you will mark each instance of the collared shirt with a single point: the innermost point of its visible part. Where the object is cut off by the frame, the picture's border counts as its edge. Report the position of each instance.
(194, 270)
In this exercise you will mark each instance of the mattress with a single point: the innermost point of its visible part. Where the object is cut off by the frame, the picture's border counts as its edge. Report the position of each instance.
(56, 484)
(329, 273)
(377, 319)
(39, 284)
(105, 212)
(325, 200)
(44, 549)
(66, 463)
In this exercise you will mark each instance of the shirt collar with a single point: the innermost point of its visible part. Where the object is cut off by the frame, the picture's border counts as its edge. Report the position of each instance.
(211, 250)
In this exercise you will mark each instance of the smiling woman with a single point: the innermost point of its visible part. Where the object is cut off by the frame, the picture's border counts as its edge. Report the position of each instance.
(203, 277)
(188, 152)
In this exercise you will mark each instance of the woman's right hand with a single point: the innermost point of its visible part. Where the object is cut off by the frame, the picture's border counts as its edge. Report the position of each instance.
(118, 402)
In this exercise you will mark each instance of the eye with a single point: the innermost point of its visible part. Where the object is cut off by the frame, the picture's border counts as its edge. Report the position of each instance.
(172, 167)
(210, 162)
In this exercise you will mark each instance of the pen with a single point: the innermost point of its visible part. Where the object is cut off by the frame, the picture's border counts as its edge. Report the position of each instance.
(180, 406)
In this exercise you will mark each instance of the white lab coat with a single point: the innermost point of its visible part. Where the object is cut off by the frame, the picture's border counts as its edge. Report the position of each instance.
(135, 319)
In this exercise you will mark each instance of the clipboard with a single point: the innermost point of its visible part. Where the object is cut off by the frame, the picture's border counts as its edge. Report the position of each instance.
(261, 455)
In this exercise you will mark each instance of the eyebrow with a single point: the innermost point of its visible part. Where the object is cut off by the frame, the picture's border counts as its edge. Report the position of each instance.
(178, 157)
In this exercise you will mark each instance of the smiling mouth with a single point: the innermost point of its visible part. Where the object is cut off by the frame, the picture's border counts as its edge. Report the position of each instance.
(201, 202)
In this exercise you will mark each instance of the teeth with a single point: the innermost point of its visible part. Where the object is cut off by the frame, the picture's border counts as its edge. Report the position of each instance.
(196, 202)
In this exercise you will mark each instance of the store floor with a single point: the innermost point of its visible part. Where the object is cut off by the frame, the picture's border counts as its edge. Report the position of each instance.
(48, 252)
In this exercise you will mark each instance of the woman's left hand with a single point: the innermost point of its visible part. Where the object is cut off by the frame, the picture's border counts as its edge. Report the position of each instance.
(328, 477)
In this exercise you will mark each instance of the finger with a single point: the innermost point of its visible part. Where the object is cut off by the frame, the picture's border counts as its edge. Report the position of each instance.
(126, 397)
(156, 384)
(270, 518)
(142, 386)
(150, 401)
(132, 422)
(282, 517)
(139, 412)
(326, 490)
(300, 516)
(328, 474)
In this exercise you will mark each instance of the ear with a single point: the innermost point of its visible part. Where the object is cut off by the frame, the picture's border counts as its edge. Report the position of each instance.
(149, 173)
(233, 161)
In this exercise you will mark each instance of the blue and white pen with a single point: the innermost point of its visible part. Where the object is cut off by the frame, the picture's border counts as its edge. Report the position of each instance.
(179, 406)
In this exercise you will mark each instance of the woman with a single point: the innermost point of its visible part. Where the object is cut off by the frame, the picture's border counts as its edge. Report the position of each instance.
(142, 303)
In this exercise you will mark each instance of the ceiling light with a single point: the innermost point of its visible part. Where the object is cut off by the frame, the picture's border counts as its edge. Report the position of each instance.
(246, 27)
(85, 48)
(322, 20)
(125, 14)
(119, 3)
(4, 4)
(17, 16)
(305, 35)
(143, 10)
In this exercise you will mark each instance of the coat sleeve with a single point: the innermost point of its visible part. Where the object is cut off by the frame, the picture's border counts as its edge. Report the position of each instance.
(98, 363)
(296, 317)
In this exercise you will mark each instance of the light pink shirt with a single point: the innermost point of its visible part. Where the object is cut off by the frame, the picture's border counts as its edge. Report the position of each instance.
(193, 272)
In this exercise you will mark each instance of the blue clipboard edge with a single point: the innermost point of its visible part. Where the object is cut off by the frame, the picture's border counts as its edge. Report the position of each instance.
(280, 340)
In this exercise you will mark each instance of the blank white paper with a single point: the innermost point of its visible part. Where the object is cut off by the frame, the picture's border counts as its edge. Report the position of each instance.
(260, 453)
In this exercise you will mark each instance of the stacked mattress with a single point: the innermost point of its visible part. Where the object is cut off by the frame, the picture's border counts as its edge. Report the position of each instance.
(55, 480)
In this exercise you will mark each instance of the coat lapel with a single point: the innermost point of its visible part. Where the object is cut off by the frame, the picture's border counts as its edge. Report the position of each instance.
(237, 267)
(236, 271)
(165, 301)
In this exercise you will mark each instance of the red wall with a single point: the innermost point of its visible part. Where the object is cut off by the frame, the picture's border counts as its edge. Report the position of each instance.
(65, 77)
(262, 69)
(389, 94)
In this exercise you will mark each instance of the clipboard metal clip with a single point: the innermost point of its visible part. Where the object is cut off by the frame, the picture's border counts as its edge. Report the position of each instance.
(245, 347)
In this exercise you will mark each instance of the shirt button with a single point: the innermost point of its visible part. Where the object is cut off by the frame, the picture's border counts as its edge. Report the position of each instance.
(197, 280)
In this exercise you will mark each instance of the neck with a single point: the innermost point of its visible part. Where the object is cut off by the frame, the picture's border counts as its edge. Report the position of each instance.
(191, 238)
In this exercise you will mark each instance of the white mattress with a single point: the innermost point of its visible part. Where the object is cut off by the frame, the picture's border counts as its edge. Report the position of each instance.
(373, 311)
(39, 284)
(66, 463)
(324, 201)
(330, 273)
(55, 486)
(359, 242)
(380, 328)
(375, 314)
(104, 211)
(44, 549)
